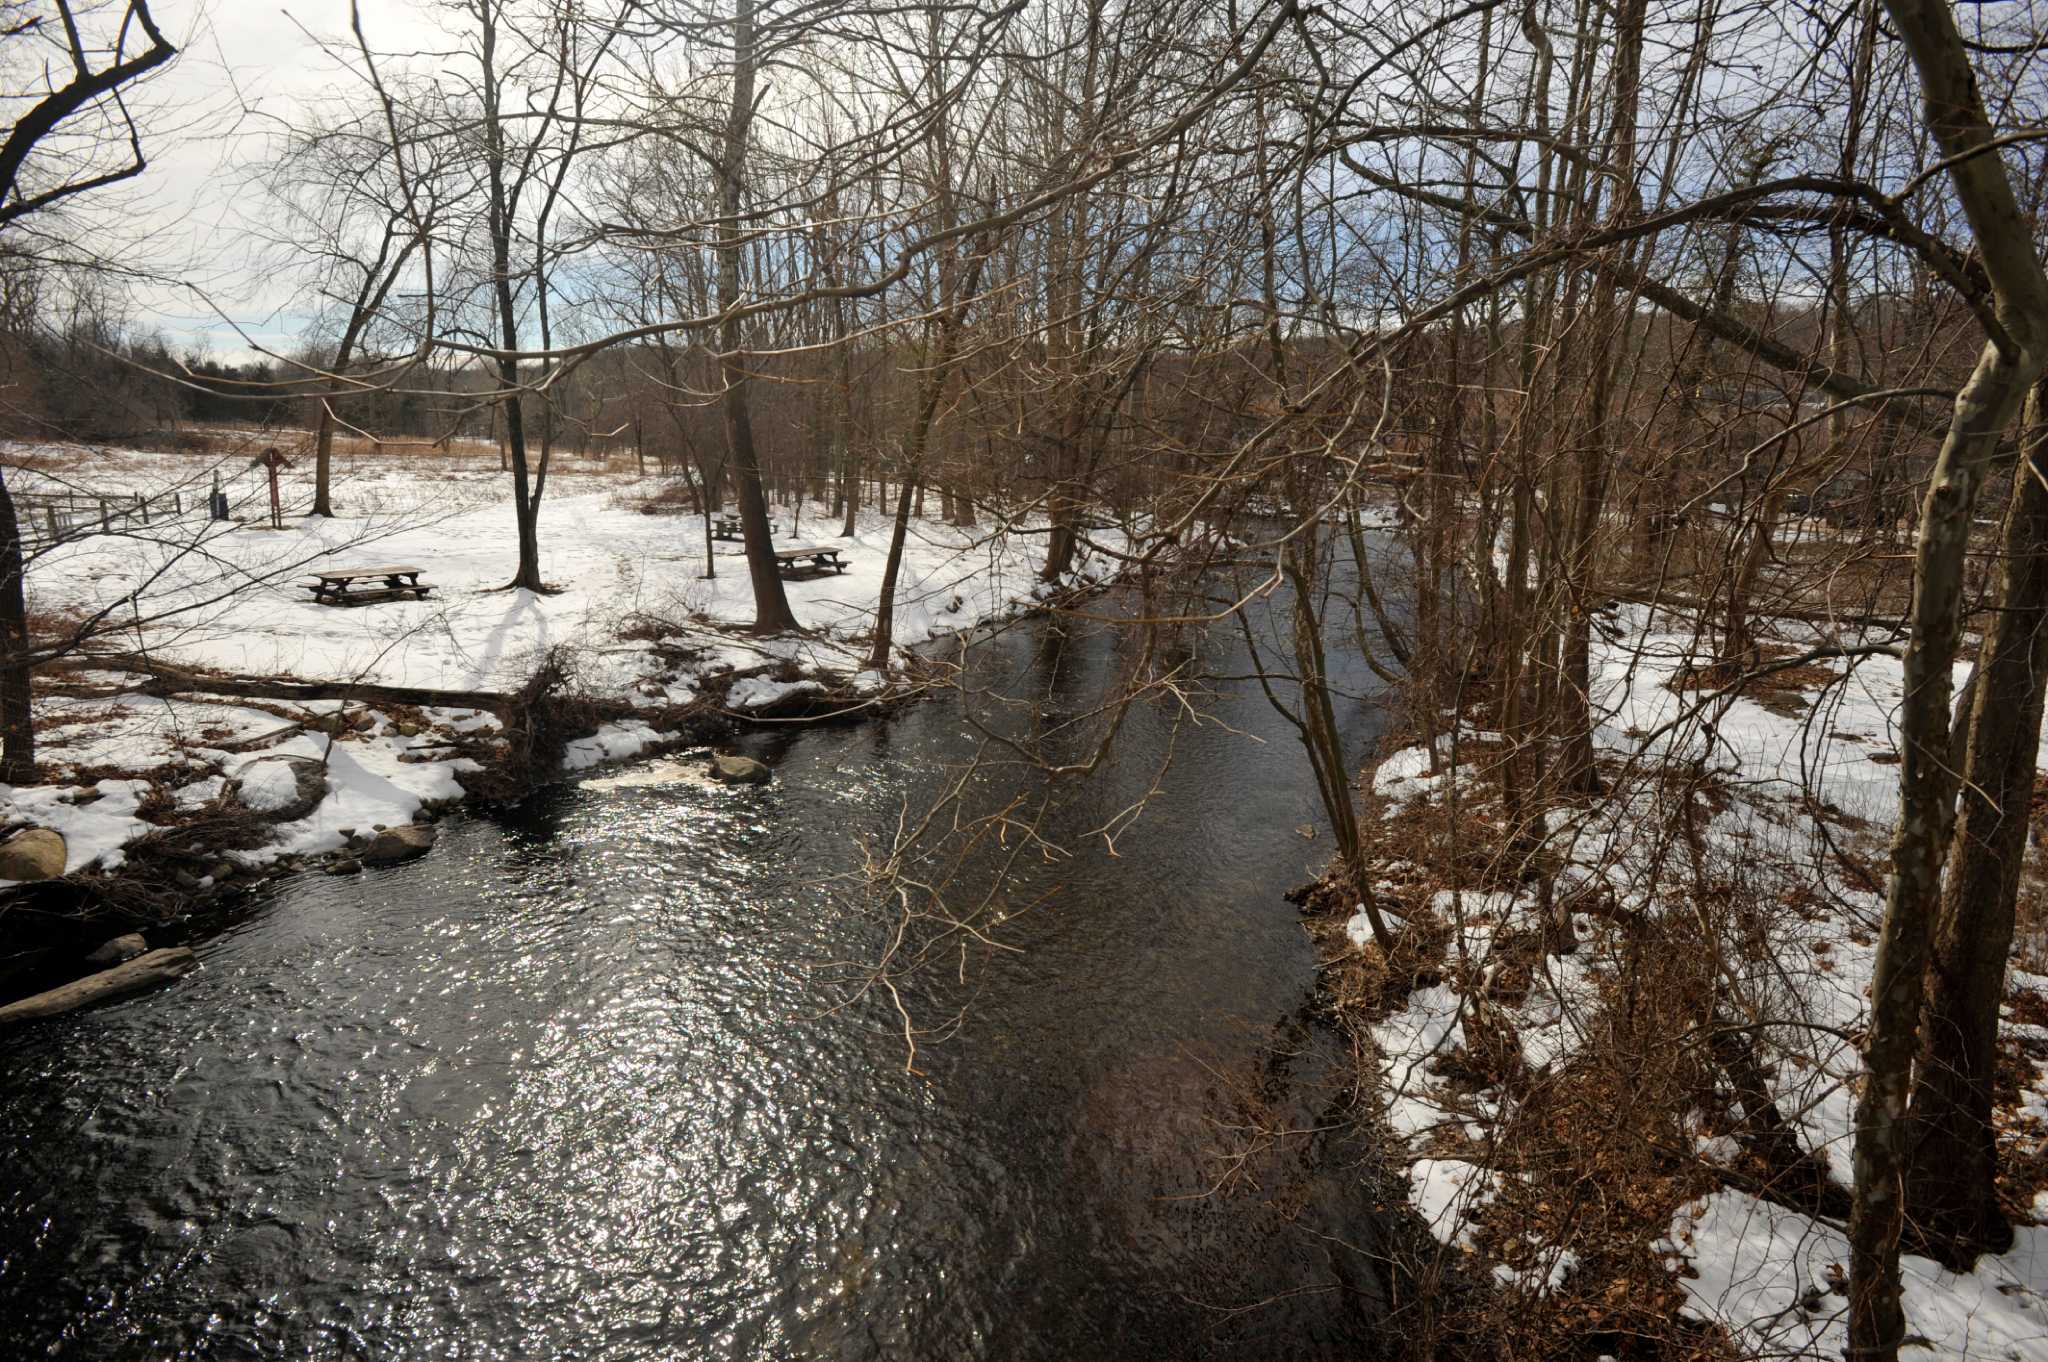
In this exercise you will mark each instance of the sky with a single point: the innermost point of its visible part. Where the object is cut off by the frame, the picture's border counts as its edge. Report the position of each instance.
(243, 65)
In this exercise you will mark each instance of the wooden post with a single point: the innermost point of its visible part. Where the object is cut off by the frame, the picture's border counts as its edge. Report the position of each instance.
(272, 460)
(142, 507)
(50, 514)
(106, 516)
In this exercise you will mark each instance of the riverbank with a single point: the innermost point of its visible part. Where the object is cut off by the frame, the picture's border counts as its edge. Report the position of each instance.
(1623, 1071)
(166, 791)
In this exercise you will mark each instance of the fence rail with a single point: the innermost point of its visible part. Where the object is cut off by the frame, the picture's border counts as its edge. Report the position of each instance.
(49, 517)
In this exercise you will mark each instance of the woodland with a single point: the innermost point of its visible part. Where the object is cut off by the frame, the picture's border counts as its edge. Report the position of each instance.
(1630, 385)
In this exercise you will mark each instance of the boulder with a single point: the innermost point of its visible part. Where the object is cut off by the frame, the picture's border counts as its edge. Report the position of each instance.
(740, 771)
(398, 844)
(119, 949)
(33, 854)
(345, 865)
(154, 968)
(282, 789)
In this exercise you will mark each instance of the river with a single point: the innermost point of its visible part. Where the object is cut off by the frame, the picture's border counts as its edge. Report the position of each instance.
(574, 1085)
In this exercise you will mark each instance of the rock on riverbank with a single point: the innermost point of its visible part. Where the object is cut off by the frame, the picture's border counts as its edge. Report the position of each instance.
(32, 854)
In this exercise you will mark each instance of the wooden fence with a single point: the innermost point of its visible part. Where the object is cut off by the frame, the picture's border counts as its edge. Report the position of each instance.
(50, 517)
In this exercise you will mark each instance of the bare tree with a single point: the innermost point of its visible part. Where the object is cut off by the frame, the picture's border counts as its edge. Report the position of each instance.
(358, 223)
(56, 150)
(2011, 361)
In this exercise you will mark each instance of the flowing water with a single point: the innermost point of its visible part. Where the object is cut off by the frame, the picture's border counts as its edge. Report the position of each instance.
(574, 1085)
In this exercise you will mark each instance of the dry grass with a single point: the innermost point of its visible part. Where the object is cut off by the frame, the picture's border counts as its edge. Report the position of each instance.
(1598, 1151)
(674, 496)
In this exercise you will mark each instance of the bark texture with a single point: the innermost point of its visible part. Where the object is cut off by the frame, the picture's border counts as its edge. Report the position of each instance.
(1951, 1193)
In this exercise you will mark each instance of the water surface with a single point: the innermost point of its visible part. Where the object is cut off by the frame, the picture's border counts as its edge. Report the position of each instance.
(574, 1086)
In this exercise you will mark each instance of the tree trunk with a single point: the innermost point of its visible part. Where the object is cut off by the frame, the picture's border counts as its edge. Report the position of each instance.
(1320, 736)
(772, 614)
(145, 971)
(1927, 789)
(710, 504)
(17, 721)
(937, 371)
(850, 480)
(2007, 367)
(1739, 644)
(1578, 773)
(1059, 553)
(323, 462)
(500, 225)
(885, 604)
(1950, 1193)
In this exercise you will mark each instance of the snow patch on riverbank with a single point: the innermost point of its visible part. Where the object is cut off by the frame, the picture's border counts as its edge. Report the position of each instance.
(1775, 1279)
(96, 822)
(1796, 775)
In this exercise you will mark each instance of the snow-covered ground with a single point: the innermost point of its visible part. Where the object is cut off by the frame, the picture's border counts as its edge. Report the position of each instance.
(240, 606)
(643, 623)
(1769, 1275)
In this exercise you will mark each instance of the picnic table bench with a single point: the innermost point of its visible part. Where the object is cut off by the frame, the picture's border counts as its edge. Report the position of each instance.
(364, 585)
(728, 526)
(819, 558)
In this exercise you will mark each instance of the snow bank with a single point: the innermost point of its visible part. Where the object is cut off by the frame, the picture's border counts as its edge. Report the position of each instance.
(1778, 1280)
(612, 742)
(758, 692)
(1446, 1192)
(267, 786)
(367, 785)
(1767, 1274)
(96, 823)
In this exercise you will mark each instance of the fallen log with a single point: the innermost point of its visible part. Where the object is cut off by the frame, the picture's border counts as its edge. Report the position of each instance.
(144, 971)
(165, 679)
(1685, 602)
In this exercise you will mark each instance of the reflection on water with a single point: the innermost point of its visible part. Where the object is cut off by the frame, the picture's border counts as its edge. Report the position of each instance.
(572, 1088)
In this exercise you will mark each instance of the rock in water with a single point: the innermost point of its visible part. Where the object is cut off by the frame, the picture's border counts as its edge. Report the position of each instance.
(398, 844)
(35, 854)
(154, 968)
(740, 771)
(119, 949)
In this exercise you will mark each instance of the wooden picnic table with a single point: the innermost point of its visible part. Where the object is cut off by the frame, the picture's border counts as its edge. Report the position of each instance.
(727, 526)
(821, 557)
(343, 586)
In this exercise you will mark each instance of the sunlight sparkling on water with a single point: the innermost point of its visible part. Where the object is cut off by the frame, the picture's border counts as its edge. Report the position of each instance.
(575, 1085)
